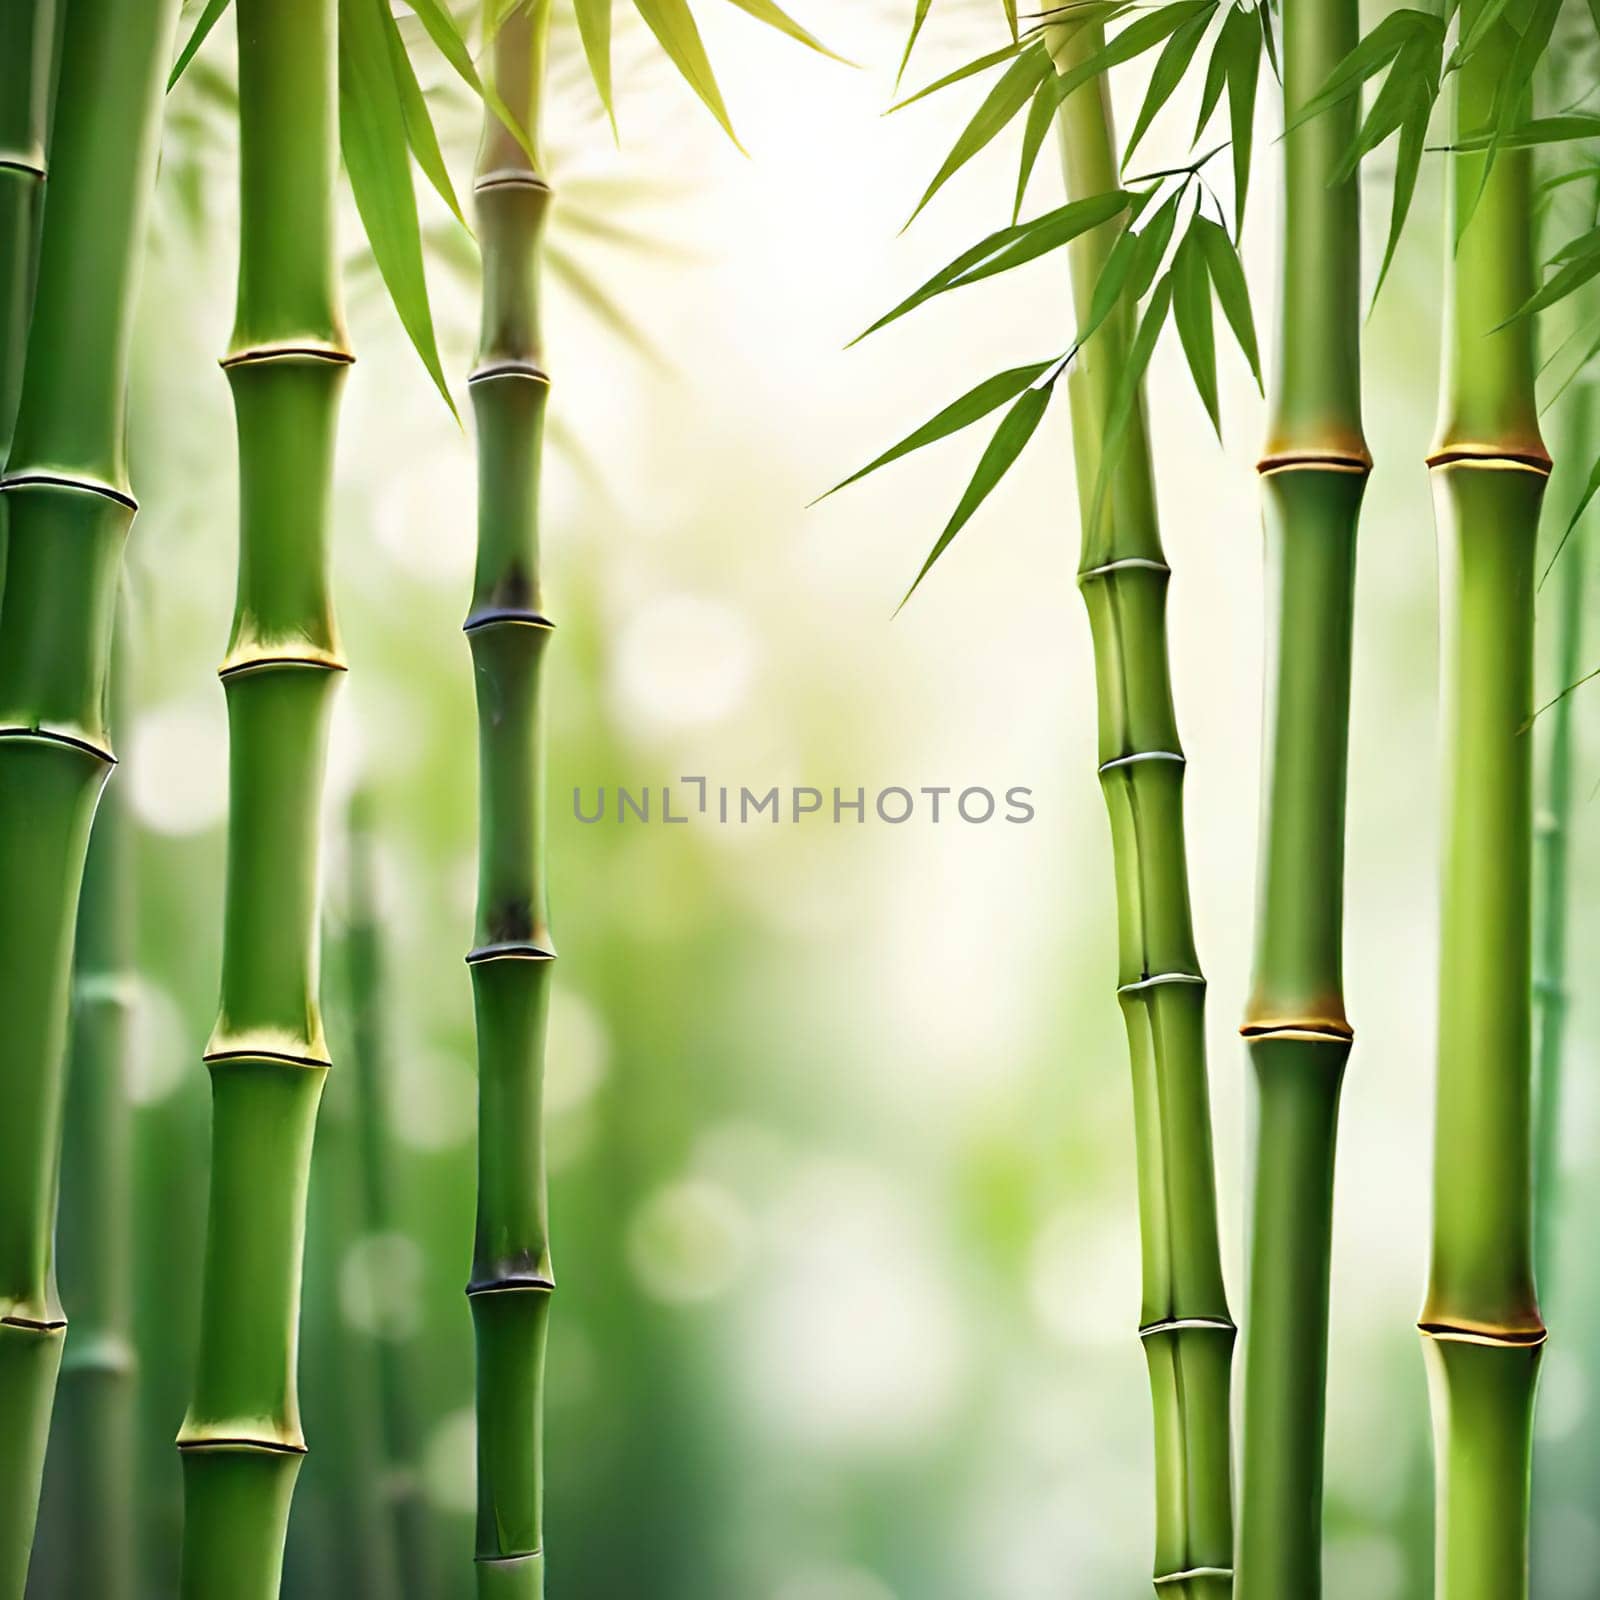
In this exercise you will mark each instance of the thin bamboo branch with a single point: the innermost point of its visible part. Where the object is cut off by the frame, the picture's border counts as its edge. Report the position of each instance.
(241, 1440)
(68, 508)
(1482, 1331)
(1313, 475)
(513, 956)
(1185, 1326)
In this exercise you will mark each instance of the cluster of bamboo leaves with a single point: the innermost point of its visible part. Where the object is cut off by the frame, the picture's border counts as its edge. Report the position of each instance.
(1179, 245)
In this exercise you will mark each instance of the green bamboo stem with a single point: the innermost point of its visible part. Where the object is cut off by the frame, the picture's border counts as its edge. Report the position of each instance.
(27, 71)
(1185, 1327)
(89, 1472)
(1313, 475)
(512, 958)
(369, 1049)
(68, 508)
(1481, 1326)
(241, 1440)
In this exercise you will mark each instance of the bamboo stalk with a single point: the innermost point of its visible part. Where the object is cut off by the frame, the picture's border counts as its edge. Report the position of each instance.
(513, 956)
(1313, 475)
(241, 1440)
(369, 1049)
(1481, 1326)
(68, 508)
(27, 73)
(89, 1471)
(1185, 1326)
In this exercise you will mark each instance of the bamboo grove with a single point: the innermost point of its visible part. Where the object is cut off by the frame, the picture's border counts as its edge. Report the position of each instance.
(343, 117)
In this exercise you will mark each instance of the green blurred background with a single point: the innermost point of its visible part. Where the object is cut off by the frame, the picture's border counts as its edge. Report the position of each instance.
(840, 1136)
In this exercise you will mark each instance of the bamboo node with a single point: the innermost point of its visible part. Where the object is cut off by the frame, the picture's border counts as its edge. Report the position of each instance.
(1189, 1325)
(510, 178)
(515, 615)
(1356, 463)
(251, 659)
(1158, 980)
(1335, 1029)
(1163, 1578)
(509, 951)
(284, 1057)
(524, 1283)
(302, 350)
(1141, 755)
(1124, 564)
(1498, 1336)
(92, 747)
(34, 1324)
(1491, 456)
(271, 1447)
(28, 163)
(62, 480)
(509, 369)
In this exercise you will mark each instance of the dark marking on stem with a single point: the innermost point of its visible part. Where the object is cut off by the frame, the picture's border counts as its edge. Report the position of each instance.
(1485, 1333)
(274, 1447)
(1488, 455)
(511, 922)
(1189, 1325)
(1126, 564)
(1157, 980)
(509, 369)
(1302, 1027)
(287, 1057)
(261, 354)
(99, 751)
(1141, 755)
(516, 616)
(35, 1324)
(1315, 461)
(512, 1283)
(511, 951)
(59, 480)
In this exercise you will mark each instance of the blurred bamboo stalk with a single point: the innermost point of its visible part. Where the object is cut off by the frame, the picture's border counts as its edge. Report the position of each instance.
(1481, 1326)
(401, 1488)
(89, 1472)
(241, 1440)
(1185, 1326)
(1313, 476)
(513, 955)
(68, 508)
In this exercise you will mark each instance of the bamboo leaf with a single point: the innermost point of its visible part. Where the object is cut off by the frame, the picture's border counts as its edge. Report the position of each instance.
(441, 27)
(1010, 7)
(1015, 430)
(1233, 292)
(911, 43)
(1012, 247)
(594, 30)
(971, 70)
(1590, 490)
(1216, 78)
(1151, 244)
(1539, 131)
(420, 133)
(1126, 398)
(1408, 162)
(1574, 274)
(1191, 307)
(1165, 77)
(372, 135)
(775, 17)
(1407, 86)
(208, 19)
(1013, 91)
(1133, 41)
(674, 27)
(974, 405)
(1381, 46)
(1491, 13)
(1041, 116)
(1244, 70)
